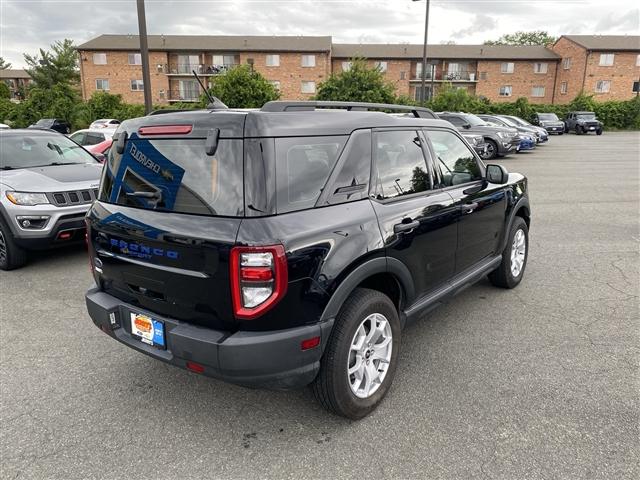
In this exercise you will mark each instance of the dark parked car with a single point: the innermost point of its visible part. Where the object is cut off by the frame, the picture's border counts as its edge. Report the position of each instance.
(500, 140)
(543, 135)
(523, 130)
(550, 122)
(528, 138)
(56, 124)
(583, 122)
(477, 142)
(289, 246)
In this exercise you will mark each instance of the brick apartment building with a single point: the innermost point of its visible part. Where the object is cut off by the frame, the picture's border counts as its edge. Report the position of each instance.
(17, 80)
(296, 65)
(605, 66)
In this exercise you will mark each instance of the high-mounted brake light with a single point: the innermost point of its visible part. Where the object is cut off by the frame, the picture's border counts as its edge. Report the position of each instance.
(258, 279)
(166, 130)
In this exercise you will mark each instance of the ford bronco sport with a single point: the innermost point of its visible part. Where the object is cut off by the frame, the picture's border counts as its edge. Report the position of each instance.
(290, 245)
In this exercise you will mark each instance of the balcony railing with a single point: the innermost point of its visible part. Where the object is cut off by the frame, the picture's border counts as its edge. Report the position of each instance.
(201, 69)
(460, 76)
(184, 95)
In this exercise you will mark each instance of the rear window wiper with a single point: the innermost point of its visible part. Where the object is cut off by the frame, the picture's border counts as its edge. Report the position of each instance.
(7, 168)
(144, 194)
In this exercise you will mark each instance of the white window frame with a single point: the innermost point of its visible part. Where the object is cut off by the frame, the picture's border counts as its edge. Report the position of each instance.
(603, 86)
(139, 85)
(540, 67)
(564, 88)
(136, 56)
(272, 60)
(382, 66)
(638, 61)
(607, 59)
(307, 83)
(566, 63)
(276, 84)
(346, 66)
(100, 55)
(308, 61)
(538, 87)
(102, 80)
(507, 67)
(508, 91)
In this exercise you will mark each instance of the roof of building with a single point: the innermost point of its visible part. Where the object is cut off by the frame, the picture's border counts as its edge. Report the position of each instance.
(14, 73)
(467, 52)
(234, 43)
(607, 42)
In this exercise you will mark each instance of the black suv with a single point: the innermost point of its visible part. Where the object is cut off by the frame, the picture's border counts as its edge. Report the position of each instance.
(500, 141)
(60, 126)
(290, 245)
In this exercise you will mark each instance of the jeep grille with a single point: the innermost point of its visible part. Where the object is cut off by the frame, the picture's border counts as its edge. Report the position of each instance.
(73, 197)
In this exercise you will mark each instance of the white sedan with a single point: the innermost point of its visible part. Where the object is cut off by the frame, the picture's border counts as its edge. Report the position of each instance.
(105, 123)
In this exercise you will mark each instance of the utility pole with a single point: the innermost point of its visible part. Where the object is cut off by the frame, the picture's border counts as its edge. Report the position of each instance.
(144, 53)
(424, 53)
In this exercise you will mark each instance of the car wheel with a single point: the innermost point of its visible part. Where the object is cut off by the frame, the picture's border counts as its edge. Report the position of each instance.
(560, 133)
(11, 255)
(491, 151)
(360, 359)
(599, 131)
(514, 257)
(578, 130)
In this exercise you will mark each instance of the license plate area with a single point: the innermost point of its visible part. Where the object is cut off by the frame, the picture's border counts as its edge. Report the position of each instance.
(148, 330)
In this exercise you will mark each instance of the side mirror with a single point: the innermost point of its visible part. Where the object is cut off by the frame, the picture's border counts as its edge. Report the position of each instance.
(497, 174)
(467, 126)
(100, 157)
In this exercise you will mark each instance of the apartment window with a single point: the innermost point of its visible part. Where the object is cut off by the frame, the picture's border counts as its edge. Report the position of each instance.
(603, 86)
(276, 84)
(346, 66)
(606, 59)
(135, 59)
(308, 87)
(566, 63)
(403, 75)
(540, 67)
(483, 75)
(537, 92)
(308, 60)
(507, 67)
(505, 91)
(137, 85)
(382, 66)
(99, 58)
(638, 61)
(273, 60)
(563, 88)
(223, 60)
(102, 84)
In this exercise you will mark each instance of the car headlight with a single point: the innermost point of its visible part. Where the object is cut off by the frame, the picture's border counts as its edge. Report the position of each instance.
(26, 198)
(506, 134)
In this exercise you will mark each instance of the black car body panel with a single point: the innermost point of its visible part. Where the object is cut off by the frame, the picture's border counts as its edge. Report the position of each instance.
(550, 122)
(162, 246)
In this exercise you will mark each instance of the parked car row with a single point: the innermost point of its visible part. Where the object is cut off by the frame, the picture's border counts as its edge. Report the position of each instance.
(577, 122)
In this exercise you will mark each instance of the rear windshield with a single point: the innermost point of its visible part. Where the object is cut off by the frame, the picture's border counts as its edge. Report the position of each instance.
(176, 175)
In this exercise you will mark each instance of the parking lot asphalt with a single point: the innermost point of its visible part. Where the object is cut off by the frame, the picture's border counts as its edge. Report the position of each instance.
(537, 382)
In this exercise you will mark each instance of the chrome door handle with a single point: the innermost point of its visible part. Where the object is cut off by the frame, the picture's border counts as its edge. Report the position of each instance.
(405, 227)
(469, 207)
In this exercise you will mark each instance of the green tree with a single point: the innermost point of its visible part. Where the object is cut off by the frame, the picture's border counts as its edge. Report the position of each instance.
(360, 83)
(4, 64)
(55, 66)
(4, 90)
(243, 87)
(536, 37)
(60, 101)
(454, 99)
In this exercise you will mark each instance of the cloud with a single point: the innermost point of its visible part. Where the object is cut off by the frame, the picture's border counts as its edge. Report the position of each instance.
(26, 25)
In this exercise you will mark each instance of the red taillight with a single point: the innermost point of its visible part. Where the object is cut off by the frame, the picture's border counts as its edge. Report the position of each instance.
(195, 367)
(166, 130)
(258, 279)
(310, 343)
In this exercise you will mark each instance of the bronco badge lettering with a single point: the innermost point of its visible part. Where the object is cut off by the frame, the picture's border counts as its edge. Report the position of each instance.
(143, 251)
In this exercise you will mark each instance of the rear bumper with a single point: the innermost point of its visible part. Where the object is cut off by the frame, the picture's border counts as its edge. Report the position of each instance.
(271, 359)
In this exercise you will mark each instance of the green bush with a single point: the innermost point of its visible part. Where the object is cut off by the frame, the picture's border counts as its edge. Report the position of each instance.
(4, 91)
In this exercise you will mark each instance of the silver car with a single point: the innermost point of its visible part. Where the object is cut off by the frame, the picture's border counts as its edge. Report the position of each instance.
(47, 183)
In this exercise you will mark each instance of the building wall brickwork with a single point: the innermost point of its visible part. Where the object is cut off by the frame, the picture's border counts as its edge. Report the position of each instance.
(522, 81)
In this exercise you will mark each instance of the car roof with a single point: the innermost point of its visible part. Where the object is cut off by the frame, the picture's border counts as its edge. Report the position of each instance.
(257, 123)
(32, 132)
(96, 130)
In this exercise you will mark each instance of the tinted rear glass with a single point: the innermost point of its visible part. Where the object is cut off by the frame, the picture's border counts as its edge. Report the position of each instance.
(176, 175)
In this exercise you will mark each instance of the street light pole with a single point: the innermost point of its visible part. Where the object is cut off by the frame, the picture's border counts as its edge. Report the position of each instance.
(424, 53)
(144, 53)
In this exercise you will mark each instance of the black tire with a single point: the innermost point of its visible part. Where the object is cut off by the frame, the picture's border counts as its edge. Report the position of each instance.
(560, 133)
(599, 131)
(11, 255)
(492, 150)
(502, 276)
(579, 130)
(331, 387)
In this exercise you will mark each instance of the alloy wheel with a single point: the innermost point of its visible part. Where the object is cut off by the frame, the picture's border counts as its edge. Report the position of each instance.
(518, 252)
(369, 355)
(3, 248)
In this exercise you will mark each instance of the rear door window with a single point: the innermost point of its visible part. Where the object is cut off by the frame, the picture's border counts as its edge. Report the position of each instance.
(303, 166)
(176, 175)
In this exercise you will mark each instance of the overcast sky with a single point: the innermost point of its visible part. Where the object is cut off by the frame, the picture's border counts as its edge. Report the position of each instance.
(26, 25)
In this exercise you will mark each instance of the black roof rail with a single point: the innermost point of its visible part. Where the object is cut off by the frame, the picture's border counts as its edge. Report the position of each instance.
(302, 105)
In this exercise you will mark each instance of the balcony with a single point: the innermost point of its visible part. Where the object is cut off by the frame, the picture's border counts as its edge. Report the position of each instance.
(200, 69)
(458, 76)
(184, 95)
